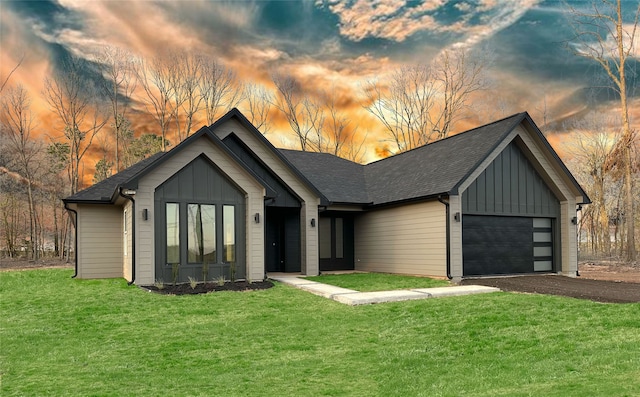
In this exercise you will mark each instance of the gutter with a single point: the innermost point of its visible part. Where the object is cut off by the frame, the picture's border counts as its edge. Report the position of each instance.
(133, 234)
(75, 237)
(448, 228)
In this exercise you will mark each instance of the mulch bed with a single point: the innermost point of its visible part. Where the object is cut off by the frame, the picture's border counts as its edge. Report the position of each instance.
(595, 290)
(204, 288)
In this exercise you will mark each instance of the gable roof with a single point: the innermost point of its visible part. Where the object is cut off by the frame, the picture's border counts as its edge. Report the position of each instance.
(107, 190)
(438, 167)
(429, 171)
(236, 114)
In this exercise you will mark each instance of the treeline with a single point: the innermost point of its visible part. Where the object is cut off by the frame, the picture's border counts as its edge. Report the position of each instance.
(101, 104)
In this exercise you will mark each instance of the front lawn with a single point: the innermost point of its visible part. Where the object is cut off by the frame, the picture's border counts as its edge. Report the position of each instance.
(65, 337)
(365, 282)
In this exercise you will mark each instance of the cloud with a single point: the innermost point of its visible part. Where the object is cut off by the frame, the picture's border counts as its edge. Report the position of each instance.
(471, 21)
(387, 19)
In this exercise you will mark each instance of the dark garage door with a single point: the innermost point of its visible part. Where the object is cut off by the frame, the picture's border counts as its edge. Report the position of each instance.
(505, 245)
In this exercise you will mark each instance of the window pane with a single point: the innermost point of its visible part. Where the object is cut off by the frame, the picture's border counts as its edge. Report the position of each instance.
(229, 226)
(201, 233)
(173, 232)
(208, 216)
(339, 239)
(324, 229)
(194, 233)
(541, 237)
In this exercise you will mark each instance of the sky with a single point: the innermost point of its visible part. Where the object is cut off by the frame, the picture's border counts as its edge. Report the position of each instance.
(339, 44)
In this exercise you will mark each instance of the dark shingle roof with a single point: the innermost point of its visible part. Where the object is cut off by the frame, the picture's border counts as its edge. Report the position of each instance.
(436, 168)
(103, 191)
(426, 171)
(339, 180)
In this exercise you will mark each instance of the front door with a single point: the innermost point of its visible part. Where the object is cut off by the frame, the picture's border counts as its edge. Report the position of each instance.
(282, 240)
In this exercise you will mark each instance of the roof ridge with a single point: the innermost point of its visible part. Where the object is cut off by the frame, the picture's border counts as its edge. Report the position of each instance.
(430, 144)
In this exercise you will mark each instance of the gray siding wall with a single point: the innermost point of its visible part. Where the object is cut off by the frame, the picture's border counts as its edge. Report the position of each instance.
(510, 186)
(100, 241)
(408, 239)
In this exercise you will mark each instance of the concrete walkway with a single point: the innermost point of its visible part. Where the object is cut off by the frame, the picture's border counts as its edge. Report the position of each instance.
(353, 298)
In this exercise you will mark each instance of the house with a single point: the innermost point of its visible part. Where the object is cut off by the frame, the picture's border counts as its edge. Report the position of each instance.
(493, 200)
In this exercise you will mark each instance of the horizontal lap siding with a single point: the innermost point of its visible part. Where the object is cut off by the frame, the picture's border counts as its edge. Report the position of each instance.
(410, 239)
(100, 241)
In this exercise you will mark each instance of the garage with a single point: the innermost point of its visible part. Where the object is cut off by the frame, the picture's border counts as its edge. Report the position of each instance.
(509, 219)
(506, 245)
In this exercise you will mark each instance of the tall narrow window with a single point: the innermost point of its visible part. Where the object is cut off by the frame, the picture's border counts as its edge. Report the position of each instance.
(201, 233)
(228, 217)
(126, 231)
(339, 238)
(324, 232)
(173, 232)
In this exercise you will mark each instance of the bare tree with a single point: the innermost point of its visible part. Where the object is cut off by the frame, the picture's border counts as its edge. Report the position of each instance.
(460, 75)
(341, 137)
(219, 88)
(258, 104)
(118, 85)
(304, 114)
(603, 37)
(76, 102)
(6, 80)
(17, 121)
(403, 105)
(190, 77)
(422, 103)
(155, 79)
(591, 146)
(57, 161)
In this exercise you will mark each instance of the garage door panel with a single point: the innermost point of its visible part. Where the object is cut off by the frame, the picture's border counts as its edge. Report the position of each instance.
(497, 245)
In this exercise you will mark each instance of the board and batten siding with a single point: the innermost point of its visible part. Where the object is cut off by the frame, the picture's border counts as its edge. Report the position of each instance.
(568, 204)
(555, 180)
(309, 209)
(100, 241)
(408, 239)
(145, 259)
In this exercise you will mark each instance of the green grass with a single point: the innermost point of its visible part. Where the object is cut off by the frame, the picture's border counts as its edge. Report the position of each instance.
(64, 337)
(365, 282)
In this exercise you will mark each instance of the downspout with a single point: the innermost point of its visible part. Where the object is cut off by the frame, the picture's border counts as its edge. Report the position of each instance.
(577, 244)
(133, 234)
(75, 237)
(448, 238)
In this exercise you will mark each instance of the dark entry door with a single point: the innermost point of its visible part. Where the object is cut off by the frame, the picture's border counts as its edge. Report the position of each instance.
(282, 248)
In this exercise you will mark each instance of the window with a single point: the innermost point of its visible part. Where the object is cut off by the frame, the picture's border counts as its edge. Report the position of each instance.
(229, 230)
(172, 211)
(339, 239)
(125, 226)
(324, 231)
(542, 245)
(201, 233)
